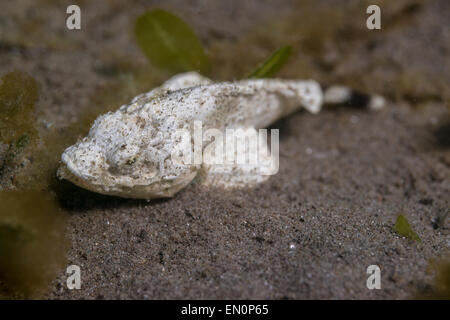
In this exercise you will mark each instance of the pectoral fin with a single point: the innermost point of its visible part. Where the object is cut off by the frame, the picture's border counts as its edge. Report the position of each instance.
(240, 159)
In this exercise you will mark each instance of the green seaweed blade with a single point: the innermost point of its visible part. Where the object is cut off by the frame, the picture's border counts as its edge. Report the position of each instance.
(273, 64)
(169, 43)
(403, 228)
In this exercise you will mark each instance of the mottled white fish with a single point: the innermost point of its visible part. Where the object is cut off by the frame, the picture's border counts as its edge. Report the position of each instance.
(127, 153)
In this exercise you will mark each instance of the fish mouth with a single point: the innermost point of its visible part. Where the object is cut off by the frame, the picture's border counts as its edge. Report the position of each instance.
(145, 191)
(64, 173)
(101, 180)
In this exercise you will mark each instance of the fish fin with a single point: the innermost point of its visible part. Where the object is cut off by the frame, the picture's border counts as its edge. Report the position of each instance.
(244, 161)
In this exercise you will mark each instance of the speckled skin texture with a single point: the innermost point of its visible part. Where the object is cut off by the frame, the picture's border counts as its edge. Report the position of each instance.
(128, 153)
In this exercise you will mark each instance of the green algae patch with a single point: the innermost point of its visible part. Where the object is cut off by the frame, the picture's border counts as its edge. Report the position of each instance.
(440, 288)
(403, 228)
(32, 244)
(18, 95)
(168, 42)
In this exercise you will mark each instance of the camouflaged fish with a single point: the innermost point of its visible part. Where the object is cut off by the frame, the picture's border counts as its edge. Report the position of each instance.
(128, 153)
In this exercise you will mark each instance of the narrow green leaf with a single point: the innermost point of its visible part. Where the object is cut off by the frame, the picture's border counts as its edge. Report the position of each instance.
(273, 64)
(403, 228)
(169, 43)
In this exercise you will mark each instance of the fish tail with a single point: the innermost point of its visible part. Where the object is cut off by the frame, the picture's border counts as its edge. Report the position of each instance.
(350, 97)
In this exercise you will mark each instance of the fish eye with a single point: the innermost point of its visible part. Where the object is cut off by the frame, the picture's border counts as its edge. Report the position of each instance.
(130, 162)
(122, 158)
